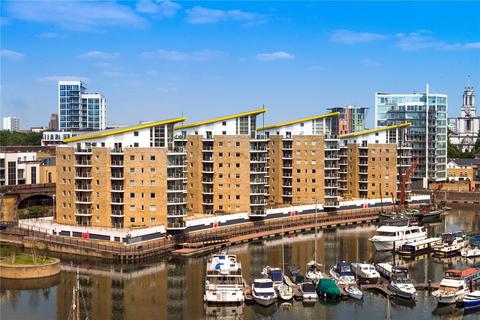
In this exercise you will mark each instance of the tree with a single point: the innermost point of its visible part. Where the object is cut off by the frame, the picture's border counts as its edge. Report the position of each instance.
(8, 138)
(476, 148)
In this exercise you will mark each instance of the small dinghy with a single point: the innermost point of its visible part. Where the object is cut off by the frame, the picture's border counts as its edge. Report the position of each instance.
(354, 292)
(284, 292)
(472, 300)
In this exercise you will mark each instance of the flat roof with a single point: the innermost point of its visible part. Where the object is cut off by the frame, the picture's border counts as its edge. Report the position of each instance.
(106, 133)
(362, 133)
(233, 116)
(288, 123)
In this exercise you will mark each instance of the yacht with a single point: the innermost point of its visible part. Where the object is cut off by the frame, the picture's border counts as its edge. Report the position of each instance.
(472, 300)
(456, 284)
(313, 271)
(284, 291)
(391, 237)
(342, 273)
(354, 292)
(470, 252)
(401, 285)
(452, 244)
(365, 273)
(224, 282)
(416, 248)
(263, 292)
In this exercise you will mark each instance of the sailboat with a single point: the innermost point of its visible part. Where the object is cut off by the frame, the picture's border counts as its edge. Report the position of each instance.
(74, 313)
(313, 267)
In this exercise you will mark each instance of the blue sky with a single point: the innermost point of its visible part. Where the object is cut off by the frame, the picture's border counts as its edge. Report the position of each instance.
(154, 60)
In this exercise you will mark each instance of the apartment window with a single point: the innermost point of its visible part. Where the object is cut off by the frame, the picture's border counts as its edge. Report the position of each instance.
(224, 132)
(220, 196)
(132, 208)
(63, 156)
(98, 182)
(237, 175)
(135, 133)
(98, 207)
(314, 171)
(313, 189)
(237, 144)
(152, 195)
(314, 180)
(132, 170)
(143, 207)
(373, 159)
(220, 175)
(135, 145)
(98, 194)
(237, 154)
(220, 207)
(237, 165)
(237, 197)
(220, 186)
(153, 183)
(220, 144)
(237, 186)
(132, 183)
(132, 158)
(314, 143)
(152, 158)
(386, 159)
(132, 194)
(224, 123)
(152, 170)
(132, 220)
(220, 165)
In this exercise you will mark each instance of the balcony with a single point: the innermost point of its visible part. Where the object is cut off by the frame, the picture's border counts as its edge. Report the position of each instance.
(258, 181)
(117, 201)
(84, 212)
(82, 175)
(207, 181)
(83, 187)
(117, 213)
(117, 176)
(176, 213)
(176, 225)
(116, 163)
(207, 159)
(117, 151)
(256, 149)
(258, 159)
(83, 200)
(81, 151)
(176, 201)
(175, 177)
(207, 191)
(83, 163)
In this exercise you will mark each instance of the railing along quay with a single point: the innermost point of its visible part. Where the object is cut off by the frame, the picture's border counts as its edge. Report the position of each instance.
(120, 252)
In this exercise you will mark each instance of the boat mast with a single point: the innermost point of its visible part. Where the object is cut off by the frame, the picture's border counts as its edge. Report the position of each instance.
(315, 247)
(283, 254)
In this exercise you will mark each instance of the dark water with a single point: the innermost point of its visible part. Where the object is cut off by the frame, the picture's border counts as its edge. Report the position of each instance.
(173, 288)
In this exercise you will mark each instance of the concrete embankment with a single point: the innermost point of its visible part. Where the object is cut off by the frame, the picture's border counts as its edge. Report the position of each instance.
(469, 197)
(27, 271)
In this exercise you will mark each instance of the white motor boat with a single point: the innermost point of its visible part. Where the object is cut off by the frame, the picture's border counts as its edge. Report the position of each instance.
(224, 282)
(470, 252)
(313, 271)
(365, 273)
(263, 292)
(472, 300)
(284, 292)
(452, 244)
(392, 237)
(402, 286)
(342, 273)
(308, 291)
(354, 292)
(456, 284)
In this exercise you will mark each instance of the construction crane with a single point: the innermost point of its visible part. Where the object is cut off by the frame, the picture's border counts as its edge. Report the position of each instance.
(435, 194)
(404, 179)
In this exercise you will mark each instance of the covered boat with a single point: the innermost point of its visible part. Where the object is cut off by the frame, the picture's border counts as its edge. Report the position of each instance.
(327, 289)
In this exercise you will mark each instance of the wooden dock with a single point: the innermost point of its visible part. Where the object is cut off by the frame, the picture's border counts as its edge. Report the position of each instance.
(382, 287)
(297, 294)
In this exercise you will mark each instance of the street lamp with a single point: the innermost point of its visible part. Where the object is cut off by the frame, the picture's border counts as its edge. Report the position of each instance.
(53, 207)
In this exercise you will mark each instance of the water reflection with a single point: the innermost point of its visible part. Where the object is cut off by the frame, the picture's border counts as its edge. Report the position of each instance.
(173, 288)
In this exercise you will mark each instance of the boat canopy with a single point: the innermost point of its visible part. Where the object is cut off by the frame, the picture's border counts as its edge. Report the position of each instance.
(276, 275)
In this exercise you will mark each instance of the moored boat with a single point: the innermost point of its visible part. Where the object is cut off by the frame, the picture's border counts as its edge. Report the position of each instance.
(354, 292)
(452, 244)
(308, 291)
(313, 271)
(295, 274)
(401, 285)
(472, 300)
(365, 273)
(342, 273)
(224, 282)
(412, 249)
(263, 292)
(470, 252)
(284, 292)
(456, 284)
(327, 289)
(392, 237)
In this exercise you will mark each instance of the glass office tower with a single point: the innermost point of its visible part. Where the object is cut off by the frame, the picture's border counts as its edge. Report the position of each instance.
(427, 112)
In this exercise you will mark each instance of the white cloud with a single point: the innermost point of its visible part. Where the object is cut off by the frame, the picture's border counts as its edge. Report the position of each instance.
(60, 78)
(98, 55)
(47, 35)
(171, 55)
(11, 55)
(103, 64)
(161, 8)
(202, 15)
(279, 55)
(73, 15)
(351, 37)
(421, 39)
(113, 73)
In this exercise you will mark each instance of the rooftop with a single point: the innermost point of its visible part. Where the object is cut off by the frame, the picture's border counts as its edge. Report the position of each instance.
(288, 123)
(106, 133)
(366, 132)
(233, 116)
(464, 162)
